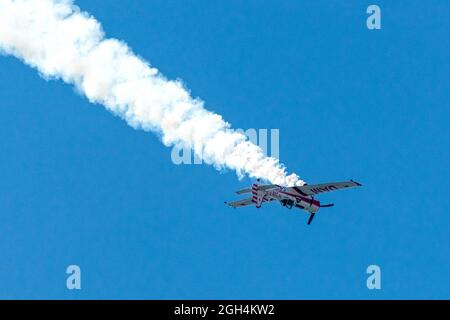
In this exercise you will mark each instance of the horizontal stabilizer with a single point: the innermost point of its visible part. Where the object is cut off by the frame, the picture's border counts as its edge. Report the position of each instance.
(267, 186)
(241, 203)
(262, 187)
(246, 190)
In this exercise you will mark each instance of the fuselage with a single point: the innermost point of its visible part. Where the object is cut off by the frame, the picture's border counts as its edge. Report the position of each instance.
(289, 197)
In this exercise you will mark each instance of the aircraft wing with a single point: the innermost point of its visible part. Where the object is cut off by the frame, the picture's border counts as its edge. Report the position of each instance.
(241, 203)
(309, 190)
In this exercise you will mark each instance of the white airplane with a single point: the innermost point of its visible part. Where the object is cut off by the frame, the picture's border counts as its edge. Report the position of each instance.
(301, 197)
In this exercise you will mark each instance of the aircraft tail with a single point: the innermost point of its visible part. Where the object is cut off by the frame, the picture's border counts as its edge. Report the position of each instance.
(257, 195)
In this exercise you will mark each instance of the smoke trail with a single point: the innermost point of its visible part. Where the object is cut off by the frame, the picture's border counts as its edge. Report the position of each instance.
(62, 42)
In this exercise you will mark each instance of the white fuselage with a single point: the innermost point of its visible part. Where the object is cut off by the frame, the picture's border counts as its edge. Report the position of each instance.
(289, 198)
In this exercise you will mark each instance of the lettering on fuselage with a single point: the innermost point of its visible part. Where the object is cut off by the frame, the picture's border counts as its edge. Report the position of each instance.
(323, 189)
(273, 193)
(276, 192)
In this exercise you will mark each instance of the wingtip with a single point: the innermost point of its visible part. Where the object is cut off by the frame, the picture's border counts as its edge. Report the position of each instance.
(226, 202)
(357, 183)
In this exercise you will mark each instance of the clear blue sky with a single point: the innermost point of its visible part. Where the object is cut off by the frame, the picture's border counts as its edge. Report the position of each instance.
(78, 186)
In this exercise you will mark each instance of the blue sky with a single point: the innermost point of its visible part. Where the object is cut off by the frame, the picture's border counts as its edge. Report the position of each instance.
(78, 186)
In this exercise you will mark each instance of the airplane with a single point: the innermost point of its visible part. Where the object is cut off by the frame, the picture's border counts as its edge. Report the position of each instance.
(301, 197)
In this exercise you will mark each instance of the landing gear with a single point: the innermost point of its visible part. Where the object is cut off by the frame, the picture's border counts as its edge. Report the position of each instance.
(311, 217)
(287, 203)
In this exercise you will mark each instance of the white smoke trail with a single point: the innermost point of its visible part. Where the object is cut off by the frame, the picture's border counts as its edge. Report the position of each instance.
(62, 42)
